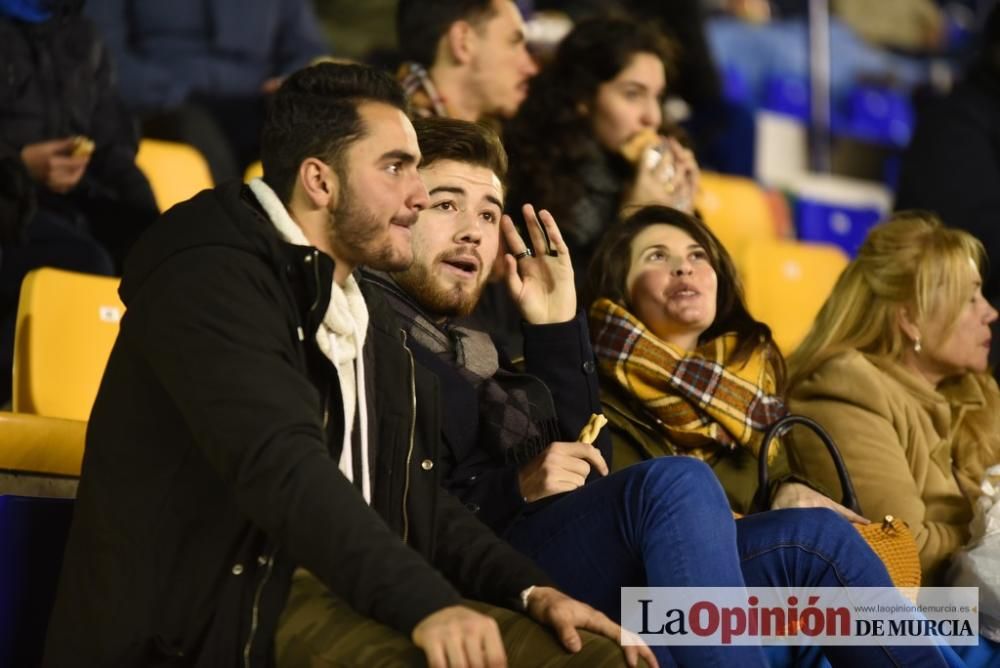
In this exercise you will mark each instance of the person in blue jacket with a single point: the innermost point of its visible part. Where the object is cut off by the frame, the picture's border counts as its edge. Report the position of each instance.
(200, 72)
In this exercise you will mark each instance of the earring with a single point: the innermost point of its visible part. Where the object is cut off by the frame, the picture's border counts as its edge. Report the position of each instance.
(916, 345)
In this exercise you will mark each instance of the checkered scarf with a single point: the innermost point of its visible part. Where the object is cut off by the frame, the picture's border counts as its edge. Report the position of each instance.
(425, 100)
(517, 417)
(699, 401)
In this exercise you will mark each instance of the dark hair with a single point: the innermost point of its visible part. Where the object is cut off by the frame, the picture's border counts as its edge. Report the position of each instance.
(420, 24)
(612, 260)
(461, 141)
(315, 115)
(549, 137)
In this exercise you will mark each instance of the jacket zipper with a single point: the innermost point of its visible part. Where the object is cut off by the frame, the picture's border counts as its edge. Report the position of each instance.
(326, 407)
(269, 563)
(413, 428)
(314, 260)
(255, 612)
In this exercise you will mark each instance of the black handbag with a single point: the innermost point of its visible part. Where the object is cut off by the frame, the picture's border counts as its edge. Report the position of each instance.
(762, 501)
(890, 539)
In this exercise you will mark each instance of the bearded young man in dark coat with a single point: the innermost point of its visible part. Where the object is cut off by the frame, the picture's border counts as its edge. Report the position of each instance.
(258, 415)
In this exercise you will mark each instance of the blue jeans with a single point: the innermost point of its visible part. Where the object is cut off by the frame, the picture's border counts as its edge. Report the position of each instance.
(666, 523)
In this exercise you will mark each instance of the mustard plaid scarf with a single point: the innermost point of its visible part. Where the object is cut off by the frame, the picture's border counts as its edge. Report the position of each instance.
(699, 402)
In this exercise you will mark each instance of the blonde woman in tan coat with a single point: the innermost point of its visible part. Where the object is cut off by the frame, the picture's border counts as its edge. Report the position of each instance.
(895, 369)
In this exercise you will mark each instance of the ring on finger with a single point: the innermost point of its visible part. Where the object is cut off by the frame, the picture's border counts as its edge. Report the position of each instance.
(527, 252)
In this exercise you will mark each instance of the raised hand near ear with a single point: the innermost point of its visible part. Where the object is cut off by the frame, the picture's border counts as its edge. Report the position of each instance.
(540, 282)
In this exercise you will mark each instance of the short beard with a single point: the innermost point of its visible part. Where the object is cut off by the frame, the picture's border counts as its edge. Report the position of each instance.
(418, 282)
(354, 231)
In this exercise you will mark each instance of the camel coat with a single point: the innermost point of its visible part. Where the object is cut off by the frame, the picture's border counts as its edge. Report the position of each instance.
(912, 450)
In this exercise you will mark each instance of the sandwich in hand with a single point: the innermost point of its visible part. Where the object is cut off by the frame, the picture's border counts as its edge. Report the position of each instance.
(635, 148)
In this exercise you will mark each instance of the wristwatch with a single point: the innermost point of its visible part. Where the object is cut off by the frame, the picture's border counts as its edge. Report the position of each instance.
(524, 597)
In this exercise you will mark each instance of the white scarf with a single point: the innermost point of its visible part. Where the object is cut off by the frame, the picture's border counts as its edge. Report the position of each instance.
(341, 338)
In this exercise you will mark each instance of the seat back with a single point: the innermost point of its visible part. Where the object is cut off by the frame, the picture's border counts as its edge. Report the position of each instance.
(786, 283)
(787, 94)
(66, 325)
(879, 115)
(176, 171)
(839, 224)
(33, 445)
(33, 533)
(736, 209)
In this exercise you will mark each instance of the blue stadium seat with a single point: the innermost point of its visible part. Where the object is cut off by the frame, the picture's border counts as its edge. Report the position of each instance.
(787, 95)
(877, 115)
(735, 86)
(33, 535)
(843, 225)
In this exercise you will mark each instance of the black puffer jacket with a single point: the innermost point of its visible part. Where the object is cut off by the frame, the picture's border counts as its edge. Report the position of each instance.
(209, 474)
(56, 81)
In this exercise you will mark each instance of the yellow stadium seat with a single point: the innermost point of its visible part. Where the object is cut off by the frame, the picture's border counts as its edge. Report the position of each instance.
(176, 172)
(736, 209)
(786, 283)
(66, 325)
(33, 444)
(254, 170)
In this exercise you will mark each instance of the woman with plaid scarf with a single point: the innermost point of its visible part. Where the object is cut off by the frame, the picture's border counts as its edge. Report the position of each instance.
(686, 370)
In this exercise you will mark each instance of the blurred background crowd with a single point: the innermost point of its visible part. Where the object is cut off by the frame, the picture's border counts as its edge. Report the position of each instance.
(808, 120)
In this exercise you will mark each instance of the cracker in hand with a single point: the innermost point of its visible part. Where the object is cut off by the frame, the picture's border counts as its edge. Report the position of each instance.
(592, 429)
(82, 146)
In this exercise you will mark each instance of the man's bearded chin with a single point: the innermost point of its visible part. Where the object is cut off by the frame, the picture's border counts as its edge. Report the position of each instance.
(355, 232)
(436, 302)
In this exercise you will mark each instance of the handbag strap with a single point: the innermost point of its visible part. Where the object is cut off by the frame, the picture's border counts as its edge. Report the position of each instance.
(761, 500)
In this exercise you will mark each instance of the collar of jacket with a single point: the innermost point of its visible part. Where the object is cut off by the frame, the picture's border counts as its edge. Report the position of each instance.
(229, 216)
(381, 316)
(947, 406)
(310, 273)
(308, 270)
(966, 391)
(959, 391)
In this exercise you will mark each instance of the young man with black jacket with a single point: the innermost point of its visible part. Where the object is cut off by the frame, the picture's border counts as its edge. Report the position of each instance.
(256, 417)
